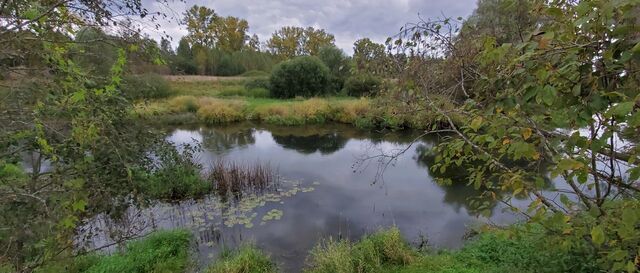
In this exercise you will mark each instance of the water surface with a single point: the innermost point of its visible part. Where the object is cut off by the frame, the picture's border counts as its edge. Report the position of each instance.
(327, 191)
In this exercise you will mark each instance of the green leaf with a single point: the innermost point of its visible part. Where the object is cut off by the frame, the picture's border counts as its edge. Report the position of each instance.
(569, 164)
(476, 123)
(621, 109)
(79, 205)
(597, 235)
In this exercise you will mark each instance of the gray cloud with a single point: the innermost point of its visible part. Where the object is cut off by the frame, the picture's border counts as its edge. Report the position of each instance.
(348, 20)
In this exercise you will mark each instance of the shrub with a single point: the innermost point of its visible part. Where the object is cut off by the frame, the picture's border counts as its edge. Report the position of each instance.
(175, 176)
(246, 259)
(147, 86)
(304, 76)
(362, 85)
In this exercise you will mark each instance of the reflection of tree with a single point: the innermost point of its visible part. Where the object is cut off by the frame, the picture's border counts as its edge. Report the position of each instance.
(324, 143)
(223, 139)
(458, 194)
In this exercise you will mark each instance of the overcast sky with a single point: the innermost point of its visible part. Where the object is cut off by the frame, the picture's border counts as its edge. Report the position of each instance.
(347, 20)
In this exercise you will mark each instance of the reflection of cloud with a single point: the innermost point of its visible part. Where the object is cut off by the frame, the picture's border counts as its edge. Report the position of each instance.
(348, 20)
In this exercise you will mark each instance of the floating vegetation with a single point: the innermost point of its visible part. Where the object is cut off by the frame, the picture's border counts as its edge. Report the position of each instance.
(273, 214)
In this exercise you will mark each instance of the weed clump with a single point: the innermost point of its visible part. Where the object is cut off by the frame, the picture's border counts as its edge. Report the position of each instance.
(246, 259)
(374, 252)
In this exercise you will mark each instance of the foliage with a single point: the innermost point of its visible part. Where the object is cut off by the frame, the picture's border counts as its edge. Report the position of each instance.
(289, 42)
(77, 131)
(175, 177)
(303, 76)
(145, 86)
(369, 57)
(362, 85)
(200, 22)
(246, 258)
(562, 93)
(338, 64)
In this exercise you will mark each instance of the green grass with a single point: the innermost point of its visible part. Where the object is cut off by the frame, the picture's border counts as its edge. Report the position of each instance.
(159, 252)
(207, 88)
(490, 252)
(246, 259)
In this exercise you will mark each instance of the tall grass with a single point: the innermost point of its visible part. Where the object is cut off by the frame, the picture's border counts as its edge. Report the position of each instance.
(371, 254)
(213, 111)
(363, 112)
(234, 179)
(246, 259)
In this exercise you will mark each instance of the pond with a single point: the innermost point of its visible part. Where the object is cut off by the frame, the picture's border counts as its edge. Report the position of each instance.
(326, 190)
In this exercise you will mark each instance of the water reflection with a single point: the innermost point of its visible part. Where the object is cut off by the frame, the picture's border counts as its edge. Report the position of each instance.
(338, 202)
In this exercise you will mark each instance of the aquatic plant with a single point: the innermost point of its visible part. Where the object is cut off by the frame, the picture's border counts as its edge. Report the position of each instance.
(234, 179)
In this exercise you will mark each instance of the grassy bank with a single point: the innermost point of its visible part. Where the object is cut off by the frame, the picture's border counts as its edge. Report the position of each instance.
(494, 251)
(224, 100)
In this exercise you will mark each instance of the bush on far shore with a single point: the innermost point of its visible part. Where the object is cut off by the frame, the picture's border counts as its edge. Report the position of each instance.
(304, 76)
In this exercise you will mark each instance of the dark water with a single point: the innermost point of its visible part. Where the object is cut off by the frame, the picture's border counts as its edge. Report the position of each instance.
(328, 192)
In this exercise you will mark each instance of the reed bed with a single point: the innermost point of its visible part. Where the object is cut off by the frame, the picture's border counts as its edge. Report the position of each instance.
(235, 179)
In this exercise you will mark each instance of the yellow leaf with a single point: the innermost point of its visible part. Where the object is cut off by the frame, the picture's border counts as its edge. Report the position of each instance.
(506, 141)
(526, 133)
(536, 156)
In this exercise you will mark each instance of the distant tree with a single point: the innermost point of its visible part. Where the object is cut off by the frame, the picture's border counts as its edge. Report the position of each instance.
(165, 47)
(184, 58)
(369, 57)
(253, 44)
(200, 22)
(315, 39)
(289, 42)
(338, 63)
(230, 33)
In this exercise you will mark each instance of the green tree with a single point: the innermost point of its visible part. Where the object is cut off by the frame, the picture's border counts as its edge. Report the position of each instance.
(184, 59)
(338, 63)
(564, 93)
(315, 39)
(253, 44)
(83, 146)
(200, 22)
(231, 33)
(369, 57)
(287, 42)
